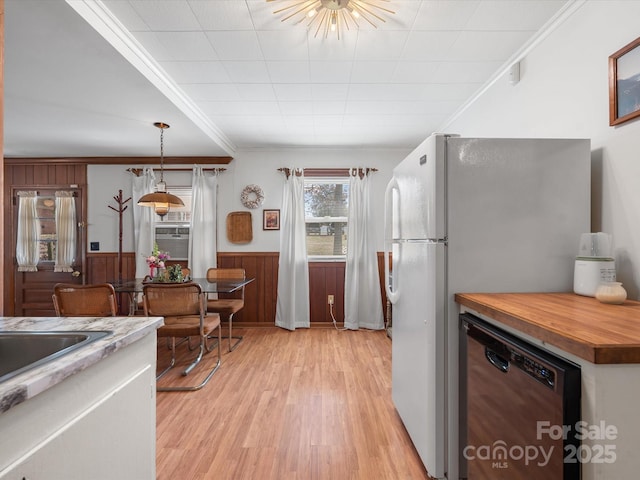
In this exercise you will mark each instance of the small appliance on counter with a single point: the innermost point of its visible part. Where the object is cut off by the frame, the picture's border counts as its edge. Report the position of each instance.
(594, 263)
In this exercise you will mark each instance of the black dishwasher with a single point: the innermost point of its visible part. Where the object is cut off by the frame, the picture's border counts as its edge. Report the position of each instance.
(519, 407)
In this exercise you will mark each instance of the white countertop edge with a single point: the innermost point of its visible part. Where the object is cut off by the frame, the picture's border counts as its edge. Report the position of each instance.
(126, 330)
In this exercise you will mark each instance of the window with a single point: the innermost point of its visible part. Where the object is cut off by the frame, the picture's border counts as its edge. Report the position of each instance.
(48, 238)
(47, 233)
(326, 202)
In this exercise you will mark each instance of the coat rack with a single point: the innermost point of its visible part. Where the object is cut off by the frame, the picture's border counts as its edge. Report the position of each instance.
(121, 208)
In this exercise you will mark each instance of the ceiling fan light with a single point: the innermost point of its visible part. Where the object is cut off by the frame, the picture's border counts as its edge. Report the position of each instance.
(324, 13)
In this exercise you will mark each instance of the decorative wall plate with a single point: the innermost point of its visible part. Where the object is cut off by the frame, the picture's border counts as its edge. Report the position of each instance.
(252, 196)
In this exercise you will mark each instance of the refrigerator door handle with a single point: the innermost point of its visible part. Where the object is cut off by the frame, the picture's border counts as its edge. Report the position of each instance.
(392, 293)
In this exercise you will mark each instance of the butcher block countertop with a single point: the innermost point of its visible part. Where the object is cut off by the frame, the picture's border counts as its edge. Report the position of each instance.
(596, 332)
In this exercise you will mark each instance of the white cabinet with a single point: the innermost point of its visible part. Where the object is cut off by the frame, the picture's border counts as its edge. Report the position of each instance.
(97, 424)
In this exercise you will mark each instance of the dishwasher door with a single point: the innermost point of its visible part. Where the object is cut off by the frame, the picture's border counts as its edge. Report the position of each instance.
(520, 405)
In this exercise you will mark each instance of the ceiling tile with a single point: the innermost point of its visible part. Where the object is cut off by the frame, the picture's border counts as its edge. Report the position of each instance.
(330, 72)
(208, 92)
(289, 72)
(380, 45)
(512, 15)
(385, 92)
(259, 80)
(263, 17)
(240, 108)
(227, 15)
(286, 45)
(296, 108)
(331, 92)
(197, 72)
(445, 15)
(177, 46)
(489, 46)
(259, 92)
(371, 71)
(247, 72)
(415, 72)
(166, 15)
(424, 46)
(329, 108)
(404, 16)
(292, 92)
(332, 49)
(241, 45)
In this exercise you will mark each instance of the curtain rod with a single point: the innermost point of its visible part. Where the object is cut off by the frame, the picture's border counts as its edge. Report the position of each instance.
(138, 171)
(329, 172)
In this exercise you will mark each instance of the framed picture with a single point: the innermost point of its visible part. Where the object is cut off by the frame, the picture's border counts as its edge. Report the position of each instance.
(624, 84)
(271, 219)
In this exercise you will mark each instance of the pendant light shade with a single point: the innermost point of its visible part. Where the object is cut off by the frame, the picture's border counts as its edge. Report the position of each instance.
(161, 201)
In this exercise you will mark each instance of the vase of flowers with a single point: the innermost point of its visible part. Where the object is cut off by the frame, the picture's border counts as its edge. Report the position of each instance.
(156, 261)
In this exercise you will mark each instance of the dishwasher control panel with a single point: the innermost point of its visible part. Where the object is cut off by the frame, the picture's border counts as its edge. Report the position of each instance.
(537, 370)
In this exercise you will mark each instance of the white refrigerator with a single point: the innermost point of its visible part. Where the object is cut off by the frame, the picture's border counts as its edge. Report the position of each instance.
(471, 215)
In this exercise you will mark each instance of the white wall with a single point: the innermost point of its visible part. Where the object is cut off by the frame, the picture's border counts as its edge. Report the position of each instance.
(563, 92)
(257, 166)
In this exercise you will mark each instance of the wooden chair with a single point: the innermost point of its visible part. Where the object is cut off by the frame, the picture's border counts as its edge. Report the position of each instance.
(70, 300)
(139, 307)
(227, 307)
(185, 315)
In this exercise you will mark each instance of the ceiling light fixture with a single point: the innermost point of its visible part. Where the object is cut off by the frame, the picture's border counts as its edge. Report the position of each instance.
(330, 16)
(161, 201)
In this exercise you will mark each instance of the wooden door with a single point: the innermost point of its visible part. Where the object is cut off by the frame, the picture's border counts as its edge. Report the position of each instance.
(33, 290)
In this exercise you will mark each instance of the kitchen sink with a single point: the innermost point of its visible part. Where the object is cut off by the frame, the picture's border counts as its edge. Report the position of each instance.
(21, 351)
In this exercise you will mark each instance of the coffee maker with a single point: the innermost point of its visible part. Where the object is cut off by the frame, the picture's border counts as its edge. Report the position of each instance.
(594, 263)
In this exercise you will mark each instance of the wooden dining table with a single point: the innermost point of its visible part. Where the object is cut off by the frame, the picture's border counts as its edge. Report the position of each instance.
(133, 287)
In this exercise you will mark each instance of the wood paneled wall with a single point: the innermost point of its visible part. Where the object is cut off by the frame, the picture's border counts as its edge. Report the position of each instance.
(325, 278)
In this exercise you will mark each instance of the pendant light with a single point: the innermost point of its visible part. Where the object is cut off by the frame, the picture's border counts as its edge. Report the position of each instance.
(161, 201)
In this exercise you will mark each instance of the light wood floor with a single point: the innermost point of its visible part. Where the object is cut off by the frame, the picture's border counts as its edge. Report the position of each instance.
(305, 405)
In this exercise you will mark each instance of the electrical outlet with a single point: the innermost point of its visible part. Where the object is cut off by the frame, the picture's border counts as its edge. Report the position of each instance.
(330, 299)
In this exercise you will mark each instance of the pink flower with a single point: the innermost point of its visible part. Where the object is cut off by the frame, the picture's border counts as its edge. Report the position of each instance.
(157, 258)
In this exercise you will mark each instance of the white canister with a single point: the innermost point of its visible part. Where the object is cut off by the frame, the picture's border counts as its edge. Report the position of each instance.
(589, 272)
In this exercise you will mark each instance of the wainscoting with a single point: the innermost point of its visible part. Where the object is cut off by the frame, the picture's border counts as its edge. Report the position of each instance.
(325, 278)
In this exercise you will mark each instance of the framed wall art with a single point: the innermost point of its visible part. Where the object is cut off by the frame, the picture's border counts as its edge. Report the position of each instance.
(271, 219)
(624, 84)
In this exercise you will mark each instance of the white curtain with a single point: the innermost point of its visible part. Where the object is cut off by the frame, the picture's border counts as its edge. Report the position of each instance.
(292, 307)
(362, 298)
(66, 230)
(142, 220)
(27, 244)
(202, 239)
